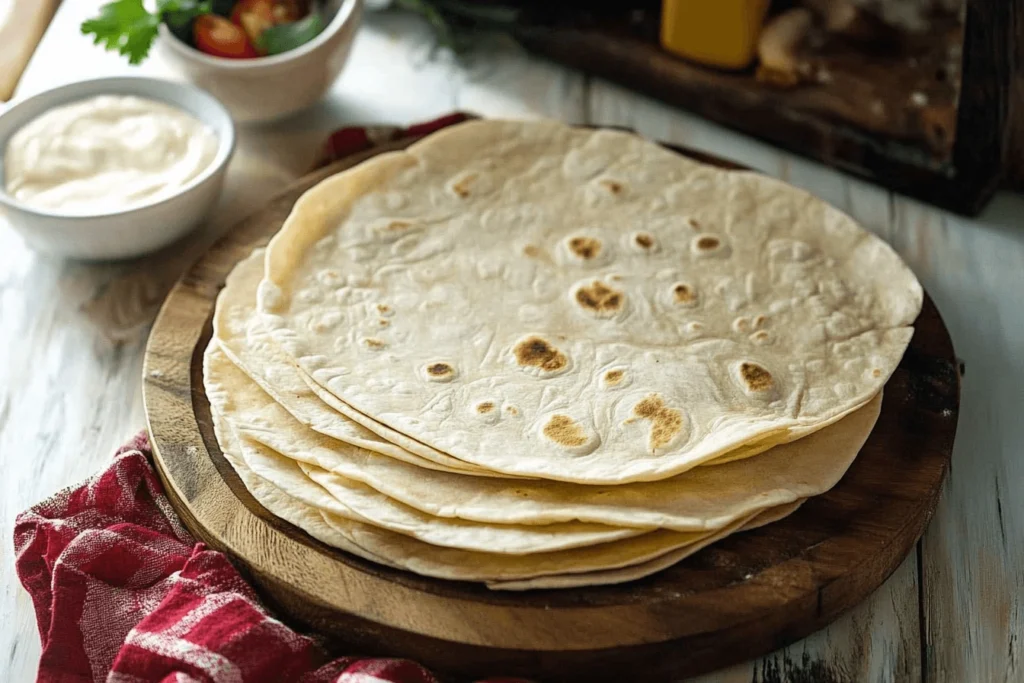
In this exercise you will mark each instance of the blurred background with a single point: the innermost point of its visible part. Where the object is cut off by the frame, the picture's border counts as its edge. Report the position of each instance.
(872, 86)
(918, 96)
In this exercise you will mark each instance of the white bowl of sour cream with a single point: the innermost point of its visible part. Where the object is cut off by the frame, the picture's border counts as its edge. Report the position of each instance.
(112, 168)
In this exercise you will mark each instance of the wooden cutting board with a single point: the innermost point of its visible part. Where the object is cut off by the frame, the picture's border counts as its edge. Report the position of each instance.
(742, 597)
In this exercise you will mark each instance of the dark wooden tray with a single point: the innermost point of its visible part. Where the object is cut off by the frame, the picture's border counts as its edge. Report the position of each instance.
(740, 598)
(950, 153)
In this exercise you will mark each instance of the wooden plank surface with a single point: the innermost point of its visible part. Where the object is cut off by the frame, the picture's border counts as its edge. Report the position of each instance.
(71, 339)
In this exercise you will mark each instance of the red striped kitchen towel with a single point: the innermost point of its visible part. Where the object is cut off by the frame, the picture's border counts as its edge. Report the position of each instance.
(124, 594)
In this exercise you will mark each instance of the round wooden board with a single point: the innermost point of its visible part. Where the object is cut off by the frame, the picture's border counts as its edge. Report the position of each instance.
(740, 598)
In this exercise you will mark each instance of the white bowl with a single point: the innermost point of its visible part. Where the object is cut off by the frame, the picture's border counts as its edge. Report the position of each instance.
(270, 88)
(138, 229)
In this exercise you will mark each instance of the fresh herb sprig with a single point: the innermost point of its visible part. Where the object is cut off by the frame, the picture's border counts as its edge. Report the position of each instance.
(129, 28)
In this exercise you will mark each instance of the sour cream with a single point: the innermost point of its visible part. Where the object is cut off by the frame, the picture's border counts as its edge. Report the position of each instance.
(105, 154)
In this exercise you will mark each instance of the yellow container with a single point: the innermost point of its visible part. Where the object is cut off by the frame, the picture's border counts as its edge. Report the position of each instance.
(720, 33)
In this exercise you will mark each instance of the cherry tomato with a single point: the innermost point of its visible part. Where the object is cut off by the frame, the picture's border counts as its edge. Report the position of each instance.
(217, 36)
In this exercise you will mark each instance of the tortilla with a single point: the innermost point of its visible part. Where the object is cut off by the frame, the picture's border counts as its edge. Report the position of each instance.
(403, 552)
(356, 501)
(242, 338)
(639, 571)
(701, 499)
(581, 306)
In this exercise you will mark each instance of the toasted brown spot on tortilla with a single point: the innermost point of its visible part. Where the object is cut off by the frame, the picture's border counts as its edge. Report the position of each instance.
(755, 377)
(760, 336)
(462, 186)
(372, 343)
(397, 226)
(585, 247)
(512, 410)
(613, 377)
(599, 298)
(694, 223)
(563, 430)
(612, 186)
(876, 373)
(538, 353)
(684, 293)
(383, 308)
(643, 240)
(759, 321)
(485, 407)
(666, 423)
(708, 243)
(383, 322)
(439, 370)
(532, 250)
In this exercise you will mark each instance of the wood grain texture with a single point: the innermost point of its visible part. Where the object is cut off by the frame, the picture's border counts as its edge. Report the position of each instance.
(69, 394)
(832, 111)
(973, 558)
(743, 597)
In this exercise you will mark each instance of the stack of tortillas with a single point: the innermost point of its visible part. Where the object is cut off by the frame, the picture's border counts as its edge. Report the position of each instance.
(539, 356)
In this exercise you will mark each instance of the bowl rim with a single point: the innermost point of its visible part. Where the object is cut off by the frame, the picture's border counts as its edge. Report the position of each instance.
(341, 18)
(221, 122)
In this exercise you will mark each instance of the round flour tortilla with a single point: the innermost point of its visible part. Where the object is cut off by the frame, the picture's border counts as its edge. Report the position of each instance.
(354, 500)
(700, 499)
(403, 552)
(339, 532)
(244, 339)
(583, 306)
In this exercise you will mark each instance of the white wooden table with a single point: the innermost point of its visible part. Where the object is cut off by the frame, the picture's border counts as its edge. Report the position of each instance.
(72, 338)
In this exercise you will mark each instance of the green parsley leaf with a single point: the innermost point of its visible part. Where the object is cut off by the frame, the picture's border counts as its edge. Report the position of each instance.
(124, 26)
(128, 28)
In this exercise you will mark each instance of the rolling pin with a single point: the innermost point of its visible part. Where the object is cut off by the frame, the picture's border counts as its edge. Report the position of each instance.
(22, 23)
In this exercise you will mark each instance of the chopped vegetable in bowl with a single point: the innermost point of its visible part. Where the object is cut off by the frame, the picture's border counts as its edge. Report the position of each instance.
(232, 29)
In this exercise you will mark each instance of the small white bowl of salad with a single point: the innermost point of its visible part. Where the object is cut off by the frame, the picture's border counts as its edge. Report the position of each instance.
(264, 59)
